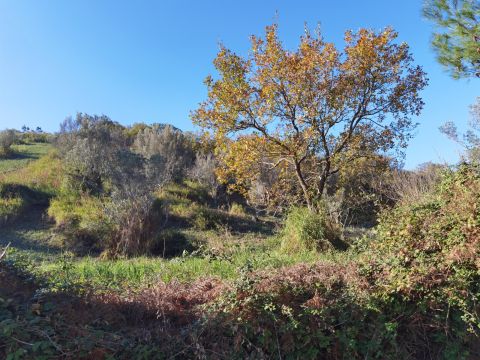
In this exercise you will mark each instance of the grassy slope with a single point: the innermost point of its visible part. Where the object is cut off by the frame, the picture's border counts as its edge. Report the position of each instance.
(228, 244)
(28, 178)
(31, 239)
(334, 309)
(22, 155)
(233, 243)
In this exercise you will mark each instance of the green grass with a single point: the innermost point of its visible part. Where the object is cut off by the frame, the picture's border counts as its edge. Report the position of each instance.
(28, 177)
(143, 271)
(10, 207)
(221, 250)
(22, 155)
(221, 254)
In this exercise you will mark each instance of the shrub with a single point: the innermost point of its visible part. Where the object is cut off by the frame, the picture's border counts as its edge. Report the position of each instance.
(305, 230)
(408, 187)
(135, 221)
(203, 171)
(166, 147)
(102, 171)
(117, 226)
(7, 139)
(237, 210)
(355, 194)
(427, 253)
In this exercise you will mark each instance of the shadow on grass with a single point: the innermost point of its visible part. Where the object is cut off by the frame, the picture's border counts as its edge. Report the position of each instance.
(29, 195)
(212, 219)
(249, 224)
(15, 155)
(171, 243)
(30, 231)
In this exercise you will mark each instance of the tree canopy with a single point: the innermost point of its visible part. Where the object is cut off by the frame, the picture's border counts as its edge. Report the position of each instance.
(307, 113)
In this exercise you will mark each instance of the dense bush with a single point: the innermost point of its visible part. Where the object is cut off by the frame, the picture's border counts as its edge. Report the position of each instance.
(119, 170)
(7, 139)
(305, 230)
(123, 224)
(167, 148)
(425, 259)
(321, 311)
(412, 293)
(203, 172)
(106, 201)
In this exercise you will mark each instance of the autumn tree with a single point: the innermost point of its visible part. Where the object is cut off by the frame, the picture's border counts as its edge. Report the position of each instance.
(311, 111)
(457, 42)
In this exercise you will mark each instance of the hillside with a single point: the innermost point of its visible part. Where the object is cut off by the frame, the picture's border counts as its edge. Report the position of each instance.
(289, 223)
(22, 155)
(219, 282)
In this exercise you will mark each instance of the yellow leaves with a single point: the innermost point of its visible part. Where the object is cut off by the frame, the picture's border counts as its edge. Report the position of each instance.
(239, 160)
(315, 102)
(366, 49)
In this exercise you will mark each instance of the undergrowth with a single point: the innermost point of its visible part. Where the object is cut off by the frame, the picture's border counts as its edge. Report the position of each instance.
(409, 291)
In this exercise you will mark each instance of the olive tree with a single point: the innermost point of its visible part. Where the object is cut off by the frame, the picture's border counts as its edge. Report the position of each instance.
(89, 145)
(99, 162)
(166, 147)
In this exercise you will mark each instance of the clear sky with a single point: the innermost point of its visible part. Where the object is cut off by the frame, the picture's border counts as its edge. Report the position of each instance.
(146, 60)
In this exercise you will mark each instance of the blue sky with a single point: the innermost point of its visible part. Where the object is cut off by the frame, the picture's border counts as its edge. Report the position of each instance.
(146, 60)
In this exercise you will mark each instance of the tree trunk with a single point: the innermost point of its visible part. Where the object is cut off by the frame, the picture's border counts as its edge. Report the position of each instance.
(323, 178)
(304, 185)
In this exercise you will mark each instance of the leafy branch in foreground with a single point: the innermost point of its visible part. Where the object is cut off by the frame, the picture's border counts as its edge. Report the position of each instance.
(457, 44)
